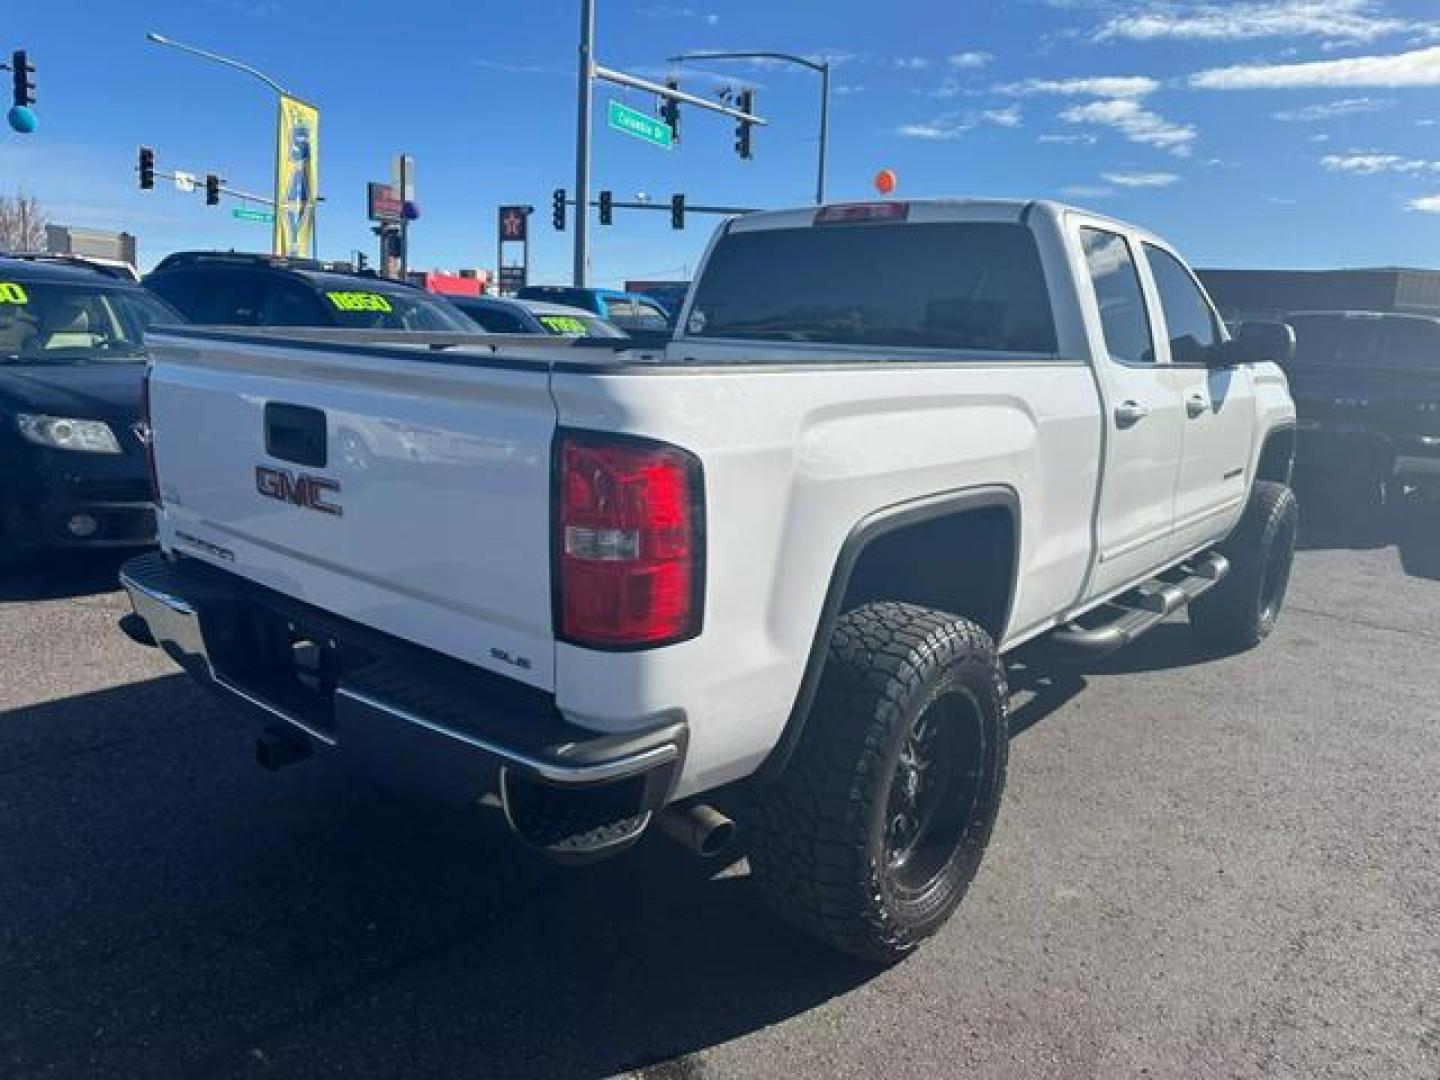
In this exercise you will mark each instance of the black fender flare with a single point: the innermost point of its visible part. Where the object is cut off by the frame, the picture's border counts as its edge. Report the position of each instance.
(871, 527)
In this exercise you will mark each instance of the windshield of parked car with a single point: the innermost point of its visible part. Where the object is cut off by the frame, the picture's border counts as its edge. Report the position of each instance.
(946, 285)
(363, 306)
(576, 324)
(1361, 339)
(46, 322)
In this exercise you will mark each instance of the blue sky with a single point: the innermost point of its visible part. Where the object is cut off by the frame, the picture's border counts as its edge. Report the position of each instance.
(1299, 133)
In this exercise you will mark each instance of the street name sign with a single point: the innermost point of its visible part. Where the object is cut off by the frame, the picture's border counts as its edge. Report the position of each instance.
(635, 123)
(244, 213)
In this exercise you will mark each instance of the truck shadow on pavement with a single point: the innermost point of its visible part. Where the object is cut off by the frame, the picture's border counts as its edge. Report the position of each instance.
(169, 909)
(61, 575)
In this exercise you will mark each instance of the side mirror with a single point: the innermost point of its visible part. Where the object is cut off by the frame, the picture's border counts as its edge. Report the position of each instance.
(1257, 342)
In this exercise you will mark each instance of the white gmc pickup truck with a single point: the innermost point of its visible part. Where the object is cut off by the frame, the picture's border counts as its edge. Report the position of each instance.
(784, 551)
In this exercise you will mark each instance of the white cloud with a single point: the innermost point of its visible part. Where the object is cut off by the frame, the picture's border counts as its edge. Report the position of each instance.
(1106, 86)
(1009, 117)
(933, 130)
(1141, 180)
(1320, 138)
(1429, 204)
(1352, 20)
(1135, 122)
(953, 125)
(1419, 67)
(666, 11)
(974, 59)
(1086, 191)
(521, 69)
(1328, 110)
(911, 63)
(1368, 164)
(1427, 122)
(846, 90)
(1070, 140)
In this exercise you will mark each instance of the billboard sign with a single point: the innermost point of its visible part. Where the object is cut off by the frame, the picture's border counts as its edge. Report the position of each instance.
(514, 223)
(383, 202)
(297, 177)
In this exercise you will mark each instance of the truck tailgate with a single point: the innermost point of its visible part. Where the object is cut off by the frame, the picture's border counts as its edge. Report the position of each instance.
(408, 493)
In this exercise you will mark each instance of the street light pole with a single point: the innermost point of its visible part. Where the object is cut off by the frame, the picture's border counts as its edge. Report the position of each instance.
(161, 39)
(820, 66)
(216, 58)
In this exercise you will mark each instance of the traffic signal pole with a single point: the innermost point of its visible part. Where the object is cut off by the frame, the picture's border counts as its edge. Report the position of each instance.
(582, 141)
(589, 71)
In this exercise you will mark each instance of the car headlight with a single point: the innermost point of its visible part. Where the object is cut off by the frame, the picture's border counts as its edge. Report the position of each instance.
(66, 433)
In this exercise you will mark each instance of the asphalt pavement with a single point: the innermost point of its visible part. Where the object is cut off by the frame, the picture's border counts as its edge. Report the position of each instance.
(1204, 867)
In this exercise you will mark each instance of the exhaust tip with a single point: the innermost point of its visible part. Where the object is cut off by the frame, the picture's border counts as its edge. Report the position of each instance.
(699, 827)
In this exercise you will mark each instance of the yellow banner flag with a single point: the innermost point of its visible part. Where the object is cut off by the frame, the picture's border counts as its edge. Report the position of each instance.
(297, 177)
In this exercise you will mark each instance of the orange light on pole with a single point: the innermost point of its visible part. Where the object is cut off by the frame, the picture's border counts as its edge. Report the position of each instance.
(885, 181)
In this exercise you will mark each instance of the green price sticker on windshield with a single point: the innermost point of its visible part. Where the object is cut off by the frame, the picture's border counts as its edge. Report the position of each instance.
(359, 301)
(11, 293)
(563, 324)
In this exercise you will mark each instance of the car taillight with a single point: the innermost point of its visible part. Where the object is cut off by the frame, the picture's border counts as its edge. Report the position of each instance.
(148, 438)
(629, 541)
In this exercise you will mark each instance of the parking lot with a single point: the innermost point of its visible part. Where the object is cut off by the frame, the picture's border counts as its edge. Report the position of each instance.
(1205, 867)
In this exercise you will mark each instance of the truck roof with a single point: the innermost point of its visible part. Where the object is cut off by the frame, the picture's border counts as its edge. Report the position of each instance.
(956, 208)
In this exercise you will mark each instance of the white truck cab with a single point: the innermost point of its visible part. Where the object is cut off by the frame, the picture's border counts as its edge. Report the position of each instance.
(888, 443)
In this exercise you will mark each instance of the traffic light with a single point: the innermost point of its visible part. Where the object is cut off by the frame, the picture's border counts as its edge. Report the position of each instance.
(20, 70)
(677, 211)
(557, 209)
(670, 109)
(745, 104)
(147, 168)
(212, 189)
(607, 208)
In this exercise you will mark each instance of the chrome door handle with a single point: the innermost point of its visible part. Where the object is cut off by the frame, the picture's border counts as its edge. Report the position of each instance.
(1196, 405)
(1130, 412)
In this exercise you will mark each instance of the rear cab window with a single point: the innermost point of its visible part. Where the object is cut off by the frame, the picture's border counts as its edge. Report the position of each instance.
(963, 286)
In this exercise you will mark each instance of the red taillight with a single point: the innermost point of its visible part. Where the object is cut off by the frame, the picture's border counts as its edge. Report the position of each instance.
(629, 542)
(149, 438)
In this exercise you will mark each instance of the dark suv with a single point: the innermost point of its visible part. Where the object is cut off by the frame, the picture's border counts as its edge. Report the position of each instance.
(1367, 388)
(219, 288)
(72, 441)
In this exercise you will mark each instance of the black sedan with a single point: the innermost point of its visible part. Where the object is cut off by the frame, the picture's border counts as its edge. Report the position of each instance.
(72, 440)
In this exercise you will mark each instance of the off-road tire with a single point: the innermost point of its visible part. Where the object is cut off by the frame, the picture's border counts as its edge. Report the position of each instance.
(1240, 612)
(822, 839)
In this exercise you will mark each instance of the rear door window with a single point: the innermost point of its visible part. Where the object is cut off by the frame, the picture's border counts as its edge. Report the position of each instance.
(1123, 318)
(968, 286)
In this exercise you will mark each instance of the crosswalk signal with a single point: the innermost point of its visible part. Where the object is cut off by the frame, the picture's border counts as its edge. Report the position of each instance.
(607, 208)
(745, 104)
(557, 209)
(147, 168)
(677, 211)
(212, 189)
(20, 71)
(670, 110)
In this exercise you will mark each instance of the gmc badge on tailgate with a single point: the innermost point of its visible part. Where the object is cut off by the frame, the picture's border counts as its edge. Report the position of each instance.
(297, 489)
